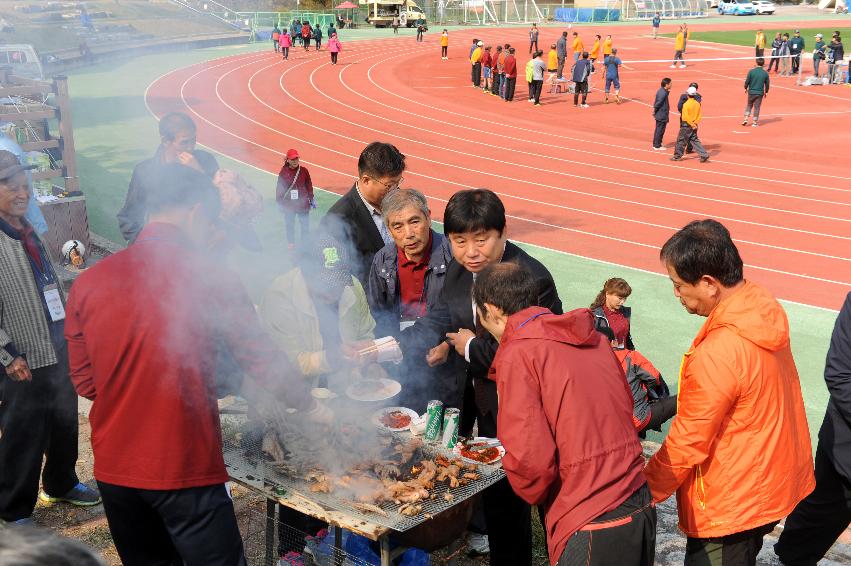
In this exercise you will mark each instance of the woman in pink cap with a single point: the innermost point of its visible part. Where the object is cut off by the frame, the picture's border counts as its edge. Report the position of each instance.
(295, 196)
(334, 46)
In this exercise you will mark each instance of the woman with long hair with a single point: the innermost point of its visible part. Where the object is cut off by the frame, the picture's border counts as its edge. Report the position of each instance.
(610, 312)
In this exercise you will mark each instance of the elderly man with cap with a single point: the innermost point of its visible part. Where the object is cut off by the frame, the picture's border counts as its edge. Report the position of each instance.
(34, 215)
(689, 121)
(177, 145)
(38, 412)
(294, 194)
(819, 54)
(476, 61)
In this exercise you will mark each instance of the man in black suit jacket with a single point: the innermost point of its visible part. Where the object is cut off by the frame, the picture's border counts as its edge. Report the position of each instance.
(356, 219)
(822, 516)
(474, 222)
(661, 109)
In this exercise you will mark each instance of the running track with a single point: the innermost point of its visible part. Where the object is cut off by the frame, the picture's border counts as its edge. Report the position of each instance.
(581, 181)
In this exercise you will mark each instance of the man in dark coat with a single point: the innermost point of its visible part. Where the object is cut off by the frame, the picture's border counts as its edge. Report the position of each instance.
(661, 109)
(474, 223)
(355, 219)
(177, 145)
(818, 520)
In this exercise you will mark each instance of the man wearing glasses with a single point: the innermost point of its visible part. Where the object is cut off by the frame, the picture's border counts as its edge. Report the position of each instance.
(356, 219)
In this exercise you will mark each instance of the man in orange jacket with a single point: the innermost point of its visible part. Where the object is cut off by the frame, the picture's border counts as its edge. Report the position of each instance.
(738, 454)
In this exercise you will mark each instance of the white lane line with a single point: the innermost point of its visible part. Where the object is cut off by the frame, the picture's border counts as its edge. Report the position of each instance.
(232, 134)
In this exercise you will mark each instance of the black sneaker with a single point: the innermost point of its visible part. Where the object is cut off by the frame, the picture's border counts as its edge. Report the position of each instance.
(675, 158)
(80, 495)
(704, 159)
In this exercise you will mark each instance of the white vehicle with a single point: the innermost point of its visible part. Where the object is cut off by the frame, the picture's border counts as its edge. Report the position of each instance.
(22, 59)
(764, 7)
(381, 12)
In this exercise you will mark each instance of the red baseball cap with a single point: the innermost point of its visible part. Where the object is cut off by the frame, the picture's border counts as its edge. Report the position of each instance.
(292, 154)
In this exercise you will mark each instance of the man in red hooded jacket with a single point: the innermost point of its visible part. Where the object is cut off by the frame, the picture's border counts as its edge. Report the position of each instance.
(565, 420)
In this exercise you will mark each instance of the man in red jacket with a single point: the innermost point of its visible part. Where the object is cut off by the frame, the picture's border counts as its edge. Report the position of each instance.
(510, 69)
(294, 194)
(565, 420)
(143, 328)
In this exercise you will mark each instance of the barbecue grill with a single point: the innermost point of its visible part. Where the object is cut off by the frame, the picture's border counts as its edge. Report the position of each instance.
(428, 529)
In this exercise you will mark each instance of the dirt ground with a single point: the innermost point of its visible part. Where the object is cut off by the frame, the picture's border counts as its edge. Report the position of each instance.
(89, 526)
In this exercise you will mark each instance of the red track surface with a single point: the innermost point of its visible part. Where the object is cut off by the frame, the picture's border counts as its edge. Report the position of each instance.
(583, 181)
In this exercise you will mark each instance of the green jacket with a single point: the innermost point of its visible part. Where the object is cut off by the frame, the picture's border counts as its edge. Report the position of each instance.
(757, 81)
(289, 314)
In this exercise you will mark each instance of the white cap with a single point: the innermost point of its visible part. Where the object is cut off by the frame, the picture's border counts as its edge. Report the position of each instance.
(691, 91)
(480, 44)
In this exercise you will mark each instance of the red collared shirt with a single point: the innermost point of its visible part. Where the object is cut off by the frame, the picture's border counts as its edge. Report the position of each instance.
(412, 284)
(143, 328)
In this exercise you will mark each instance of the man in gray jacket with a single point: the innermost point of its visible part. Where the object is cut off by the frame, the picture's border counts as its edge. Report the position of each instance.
(177, 145)
(405, 281)
(38, 412)
(561, 53)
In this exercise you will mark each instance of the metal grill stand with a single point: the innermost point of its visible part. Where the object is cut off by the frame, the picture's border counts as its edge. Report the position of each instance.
(246, 466)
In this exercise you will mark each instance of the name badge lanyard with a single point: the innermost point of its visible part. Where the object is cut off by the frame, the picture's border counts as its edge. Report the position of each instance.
(50, 290)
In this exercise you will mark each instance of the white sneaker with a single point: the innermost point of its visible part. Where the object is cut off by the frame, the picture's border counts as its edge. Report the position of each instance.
(673, 66)
(682, 66)
(477, 545)
(660, 148)
(585, 106)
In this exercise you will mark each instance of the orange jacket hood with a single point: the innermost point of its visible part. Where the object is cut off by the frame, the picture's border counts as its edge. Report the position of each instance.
(752, 313)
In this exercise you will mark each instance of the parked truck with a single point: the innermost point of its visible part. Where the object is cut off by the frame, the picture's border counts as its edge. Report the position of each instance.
(381, 12)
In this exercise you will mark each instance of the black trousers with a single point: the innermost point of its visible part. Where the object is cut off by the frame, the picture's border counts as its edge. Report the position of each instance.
(194, 526)
(759, 52)
(537, 87)
(304, 222)
(444, 50)
(286, 52)
(632, 543)
(737, 549)
(508, 518)
(334, 57)
(533, 44)
(419, 34)
(688, 137)
(318, 44)
(477, 74)
(659, 132)
(774, 62)
(819, 519)
(38, 419)
(510, 84)
(580, 88)
(796, 63)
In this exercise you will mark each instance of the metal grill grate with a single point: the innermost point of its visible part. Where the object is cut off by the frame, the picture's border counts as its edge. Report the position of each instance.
(244, 460)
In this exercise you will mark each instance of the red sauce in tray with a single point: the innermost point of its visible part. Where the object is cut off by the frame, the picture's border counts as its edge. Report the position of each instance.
(485, 456)
(395, 419)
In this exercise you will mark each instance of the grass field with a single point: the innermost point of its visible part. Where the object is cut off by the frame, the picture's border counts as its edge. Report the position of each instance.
(746, 37)
(114, 131)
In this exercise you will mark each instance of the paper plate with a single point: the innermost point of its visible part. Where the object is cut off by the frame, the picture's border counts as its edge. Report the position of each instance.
(373, 389)
(376, 418)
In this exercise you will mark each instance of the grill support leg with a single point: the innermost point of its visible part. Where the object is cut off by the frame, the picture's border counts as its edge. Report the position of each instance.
(384, 543)
(270, 533)
(338, 546)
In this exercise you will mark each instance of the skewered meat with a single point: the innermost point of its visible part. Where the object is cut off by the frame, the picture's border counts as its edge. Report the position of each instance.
(368, 508)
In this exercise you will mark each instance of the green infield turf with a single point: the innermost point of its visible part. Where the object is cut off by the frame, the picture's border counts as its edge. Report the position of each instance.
(746, 37)
(114, 130)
